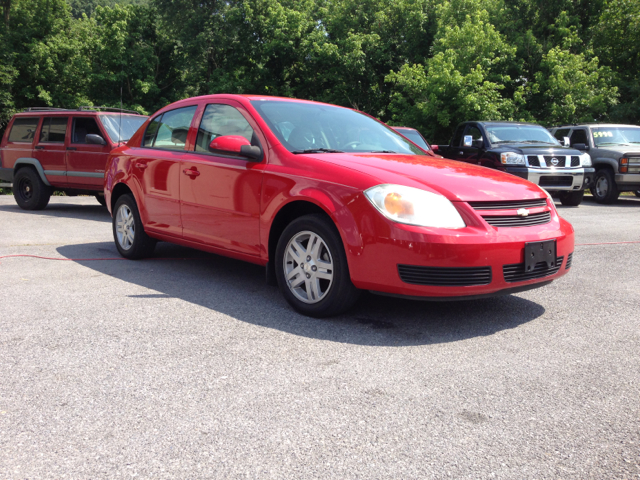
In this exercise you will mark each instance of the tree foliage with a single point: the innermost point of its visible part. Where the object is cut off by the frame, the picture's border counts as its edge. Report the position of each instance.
(423, 63)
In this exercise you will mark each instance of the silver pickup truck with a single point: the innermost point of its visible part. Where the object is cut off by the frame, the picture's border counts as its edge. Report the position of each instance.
(615, 154)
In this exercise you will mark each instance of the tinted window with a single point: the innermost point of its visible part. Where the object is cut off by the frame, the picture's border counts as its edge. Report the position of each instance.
(579, 136)
(220, 120)
(560, 134)
(457, 137)
(415, 137)
(82, 127)
(475, 133)
(53, 129)
(170, 129)
(24, 129)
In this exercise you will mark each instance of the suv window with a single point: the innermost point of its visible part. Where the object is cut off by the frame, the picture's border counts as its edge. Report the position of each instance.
(579, 136)
(457, 137)
(24, 129)
(561, 133)
(170, 129)
(54, 129)
(219, 120)
(83, 126)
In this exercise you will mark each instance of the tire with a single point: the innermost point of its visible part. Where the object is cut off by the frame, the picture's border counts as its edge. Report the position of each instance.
(333, 293)
(29, 190)
(604, 188)
(100, 199)
(128, 233)
(637, 192)
(571, 199)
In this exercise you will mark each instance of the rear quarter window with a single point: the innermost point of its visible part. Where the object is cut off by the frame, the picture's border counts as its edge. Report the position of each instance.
(23, 129)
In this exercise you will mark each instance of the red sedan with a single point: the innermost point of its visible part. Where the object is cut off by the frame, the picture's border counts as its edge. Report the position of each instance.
(332, 202)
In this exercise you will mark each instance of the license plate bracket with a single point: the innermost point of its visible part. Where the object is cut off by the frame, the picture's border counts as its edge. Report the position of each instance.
(536, 252)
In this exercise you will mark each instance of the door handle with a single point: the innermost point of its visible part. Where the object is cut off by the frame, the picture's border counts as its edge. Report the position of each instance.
(141, 165)
(71, 148)
(190, 172)
(39, 147)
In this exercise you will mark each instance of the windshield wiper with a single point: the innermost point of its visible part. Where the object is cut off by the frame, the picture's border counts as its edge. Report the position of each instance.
(318, 150)
(506, 141)
(382, 151)
(612, 143)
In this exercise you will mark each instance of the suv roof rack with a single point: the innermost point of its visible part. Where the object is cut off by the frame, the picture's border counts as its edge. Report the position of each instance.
(87, 108)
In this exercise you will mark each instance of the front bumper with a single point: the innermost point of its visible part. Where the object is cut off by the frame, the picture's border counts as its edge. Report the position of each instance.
(556, 179)
(628, 181)
(388, 248)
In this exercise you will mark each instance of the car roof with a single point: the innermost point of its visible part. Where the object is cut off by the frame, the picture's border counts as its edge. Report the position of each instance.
(505, 122)
(595, 124)
(79, 111)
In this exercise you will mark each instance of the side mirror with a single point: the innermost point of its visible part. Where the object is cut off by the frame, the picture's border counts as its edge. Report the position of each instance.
(94, 139)
(479, 143)
(236, 144)
(468, 140)
(566, 141)
(581, 146)
(434, 148)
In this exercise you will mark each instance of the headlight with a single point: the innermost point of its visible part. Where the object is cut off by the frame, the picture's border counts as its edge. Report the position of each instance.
(585, 160)
(511, 158)
(414, 206)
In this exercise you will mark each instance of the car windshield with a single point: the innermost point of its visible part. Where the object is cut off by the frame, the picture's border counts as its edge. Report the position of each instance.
(310, 127)
(520, 134)
(616, 136)
(415, 137)
(121, 132)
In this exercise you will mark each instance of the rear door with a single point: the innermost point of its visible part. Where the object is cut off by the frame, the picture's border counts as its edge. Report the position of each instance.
(86, 162)
(50, 149)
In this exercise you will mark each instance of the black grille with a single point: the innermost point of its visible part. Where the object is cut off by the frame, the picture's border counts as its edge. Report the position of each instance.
(575, 161)
(561, 160)
(569, 258)
(556, 181)
(516, 273)
(533, 161)
(509, 205)
(518, 221)
(445, 276)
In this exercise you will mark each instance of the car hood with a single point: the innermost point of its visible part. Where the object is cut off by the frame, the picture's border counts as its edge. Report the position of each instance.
(539, 149)
(455, 180)
(618, 149)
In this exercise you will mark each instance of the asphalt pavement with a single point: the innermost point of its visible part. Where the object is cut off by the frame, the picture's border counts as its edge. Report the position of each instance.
(188, 366)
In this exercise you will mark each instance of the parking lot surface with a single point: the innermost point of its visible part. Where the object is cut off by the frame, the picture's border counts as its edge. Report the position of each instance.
(188, 365)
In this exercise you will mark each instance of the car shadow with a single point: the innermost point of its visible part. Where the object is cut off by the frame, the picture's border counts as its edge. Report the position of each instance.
(96, 213)
(238, 289)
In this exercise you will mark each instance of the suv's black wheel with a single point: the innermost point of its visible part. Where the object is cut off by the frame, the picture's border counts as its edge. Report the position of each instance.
(100, 199)
(29, 190)
(571, 199)
(131, 239)
(311, 268)
(604, 188)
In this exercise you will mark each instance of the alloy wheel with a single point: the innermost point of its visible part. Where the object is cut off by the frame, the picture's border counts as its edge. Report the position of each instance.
(125, 227)
(308, 267)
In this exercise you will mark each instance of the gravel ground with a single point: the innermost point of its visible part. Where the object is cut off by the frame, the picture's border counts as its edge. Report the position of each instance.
(189, 366)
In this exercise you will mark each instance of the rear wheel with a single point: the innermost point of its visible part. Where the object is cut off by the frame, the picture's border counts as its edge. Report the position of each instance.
(311, 268)
(29, 190)
(571, 199)
(604, 188)
(131, 239)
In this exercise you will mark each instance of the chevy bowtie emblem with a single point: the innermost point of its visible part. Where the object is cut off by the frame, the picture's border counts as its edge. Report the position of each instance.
(554, 161)
(523, 212)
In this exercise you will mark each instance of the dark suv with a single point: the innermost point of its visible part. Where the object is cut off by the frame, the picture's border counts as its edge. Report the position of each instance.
(53, 149)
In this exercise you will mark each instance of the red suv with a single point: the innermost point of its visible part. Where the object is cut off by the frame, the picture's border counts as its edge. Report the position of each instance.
(332, 202)
(49, 149)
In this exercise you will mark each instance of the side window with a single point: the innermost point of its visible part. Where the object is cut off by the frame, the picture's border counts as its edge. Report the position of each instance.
(54, 129)
(475, 132)
(457, 137)
(24, 129)
(579, 136)
(170, 129)
(83, 126)
(561, 133)
(220, 120)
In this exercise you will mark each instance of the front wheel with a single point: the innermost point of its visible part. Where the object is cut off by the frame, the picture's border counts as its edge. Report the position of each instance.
(604, 188)
(29, 190)
(131, 240)
(311, 268)
(571, 199)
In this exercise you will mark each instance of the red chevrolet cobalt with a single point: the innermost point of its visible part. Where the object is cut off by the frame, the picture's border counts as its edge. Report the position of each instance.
(332, 202)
